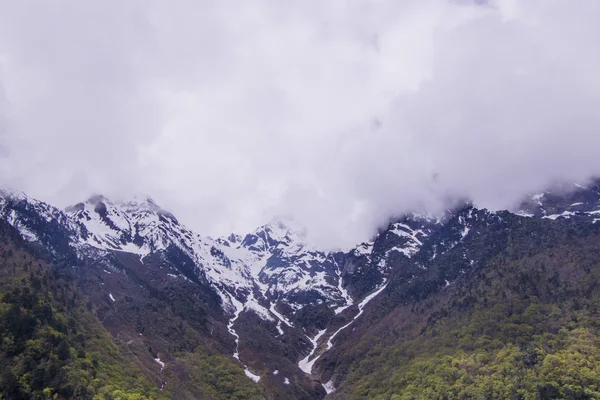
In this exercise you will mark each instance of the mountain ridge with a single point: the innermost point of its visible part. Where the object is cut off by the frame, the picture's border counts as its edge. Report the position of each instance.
(268, 288)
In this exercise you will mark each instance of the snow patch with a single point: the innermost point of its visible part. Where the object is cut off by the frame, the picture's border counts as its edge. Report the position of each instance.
(565, 214)
(329, 388)
(259, 310)
(159, 362)
(465, 232)
(522, 213)
(280, 316)
(413, 243)
(305, 365)
(363, 249)
(252, 376)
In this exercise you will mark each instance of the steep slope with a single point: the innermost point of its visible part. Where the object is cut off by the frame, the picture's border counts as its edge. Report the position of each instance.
(159, 309)
(508, 310)
(39, 223)
(52, 343)
(55, 343)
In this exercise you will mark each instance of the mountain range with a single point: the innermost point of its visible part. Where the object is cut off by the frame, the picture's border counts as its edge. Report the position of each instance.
(271, 316)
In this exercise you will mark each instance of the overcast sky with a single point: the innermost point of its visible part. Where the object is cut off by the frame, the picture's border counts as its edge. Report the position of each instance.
(337, 113)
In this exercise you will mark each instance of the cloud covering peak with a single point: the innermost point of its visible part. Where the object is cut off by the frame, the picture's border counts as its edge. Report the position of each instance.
(338, 114)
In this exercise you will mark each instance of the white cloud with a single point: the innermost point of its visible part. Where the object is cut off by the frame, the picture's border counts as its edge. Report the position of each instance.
(339, 113)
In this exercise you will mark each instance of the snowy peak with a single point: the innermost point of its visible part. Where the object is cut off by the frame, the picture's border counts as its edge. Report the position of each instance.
(139, 203)
(282, 266)
(38, 221)
(7, 194)
(410, 232)
(363, 250)
(24, 211)
(402, 239)
(574, 200)
(137, 225)
(278, 234)
(103, 223)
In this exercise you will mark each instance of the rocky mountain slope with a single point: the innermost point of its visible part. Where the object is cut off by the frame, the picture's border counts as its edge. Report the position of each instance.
(290, 315)
(463, 319)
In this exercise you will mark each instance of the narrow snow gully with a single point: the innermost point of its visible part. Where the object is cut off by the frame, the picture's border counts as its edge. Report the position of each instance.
(159, 362)
(239, 307)
(342, 290)
(280, 319)
(306, 363)
(279, 316)
(162, 367)
(361, 307)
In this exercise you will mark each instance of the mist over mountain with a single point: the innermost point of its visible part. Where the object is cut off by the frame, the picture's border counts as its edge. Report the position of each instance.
(302, 200)
(336, 114)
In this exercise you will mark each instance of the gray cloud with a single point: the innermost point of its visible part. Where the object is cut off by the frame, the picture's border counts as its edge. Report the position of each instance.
(337, 113)
(3, 128)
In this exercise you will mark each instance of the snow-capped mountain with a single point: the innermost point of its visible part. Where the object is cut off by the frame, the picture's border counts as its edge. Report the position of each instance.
(271, 271)
(39, 222)
(274, 288)
(272, 267)
(577, 200)
(137, 226)
(271, 263)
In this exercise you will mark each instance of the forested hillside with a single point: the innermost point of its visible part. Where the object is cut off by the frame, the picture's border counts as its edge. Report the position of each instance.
(522, 324)
(54, 347)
